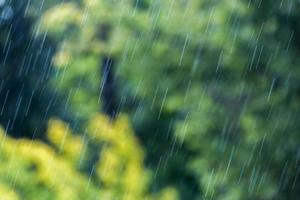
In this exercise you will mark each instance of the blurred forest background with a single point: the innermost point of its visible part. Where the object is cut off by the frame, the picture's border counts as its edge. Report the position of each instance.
(150, 99)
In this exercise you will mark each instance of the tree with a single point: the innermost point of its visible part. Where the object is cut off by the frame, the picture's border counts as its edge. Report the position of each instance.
(207, 75)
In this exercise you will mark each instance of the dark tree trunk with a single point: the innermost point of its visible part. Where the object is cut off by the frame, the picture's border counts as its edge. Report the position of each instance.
(108, 87)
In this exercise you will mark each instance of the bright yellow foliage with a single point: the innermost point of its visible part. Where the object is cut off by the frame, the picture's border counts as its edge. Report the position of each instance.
(72, 147)
(32, 169)
(120, 167)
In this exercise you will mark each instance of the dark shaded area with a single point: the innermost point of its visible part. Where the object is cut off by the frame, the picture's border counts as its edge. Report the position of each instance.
(166, 156)
(26, 101)
(108, 88)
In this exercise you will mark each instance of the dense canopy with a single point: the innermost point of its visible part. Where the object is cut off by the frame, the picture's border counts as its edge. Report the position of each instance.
(144, 99)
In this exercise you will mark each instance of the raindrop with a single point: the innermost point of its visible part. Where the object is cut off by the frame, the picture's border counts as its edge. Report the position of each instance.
(7, 12)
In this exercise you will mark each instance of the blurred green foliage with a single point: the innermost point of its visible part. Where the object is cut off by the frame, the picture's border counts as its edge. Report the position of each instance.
(211, 88)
